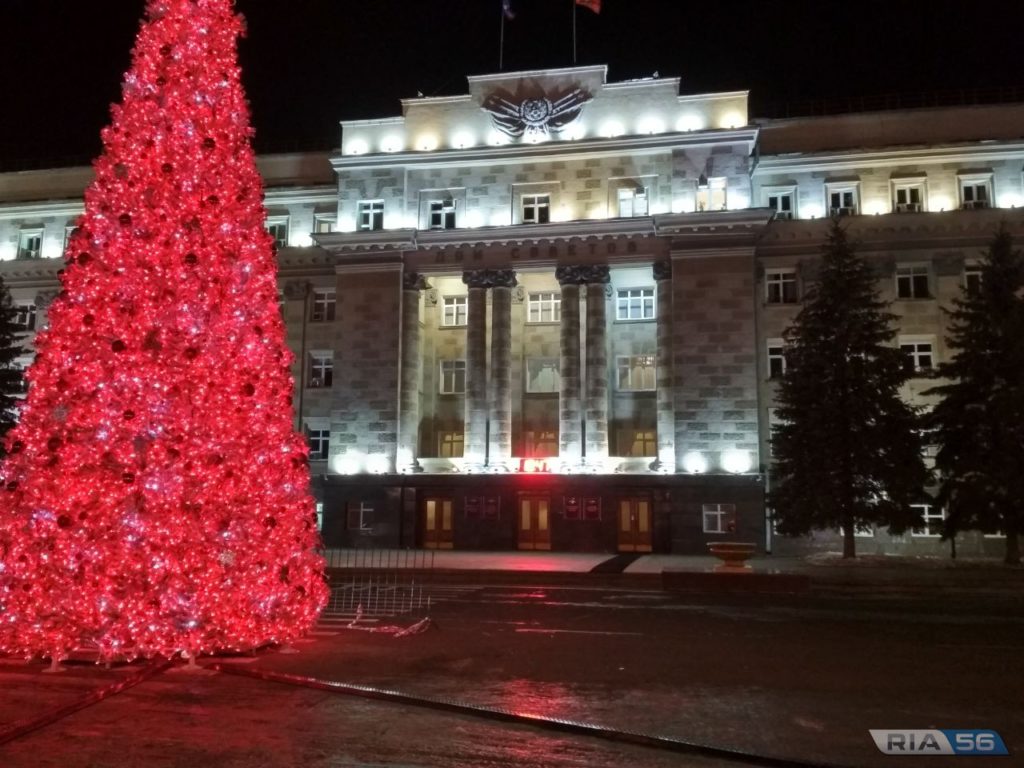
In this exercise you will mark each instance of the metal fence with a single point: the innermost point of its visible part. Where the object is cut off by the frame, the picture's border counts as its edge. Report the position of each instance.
(379, 582)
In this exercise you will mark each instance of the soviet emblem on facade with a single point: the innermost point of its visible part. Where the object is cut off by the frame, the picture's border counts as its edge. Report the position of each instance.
(535, 116)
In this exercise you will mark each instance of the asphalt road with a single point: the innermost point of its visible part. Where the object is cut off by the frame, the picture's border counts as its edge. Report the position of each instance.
(802, 677)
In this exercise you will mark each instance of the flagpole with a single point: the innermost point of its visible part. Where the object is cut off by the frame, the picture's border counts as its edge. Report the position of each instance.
(501, 43)
(573, 32)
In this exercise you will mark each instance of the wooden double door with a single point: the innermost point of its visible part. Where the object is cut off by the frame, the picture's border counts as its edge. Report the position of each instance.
(436, 523)
(634, 525)
(534, 522)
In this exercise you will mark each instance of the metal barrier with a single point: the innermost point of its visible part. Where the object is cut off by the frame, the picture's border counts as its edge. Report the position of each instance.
(379, 582)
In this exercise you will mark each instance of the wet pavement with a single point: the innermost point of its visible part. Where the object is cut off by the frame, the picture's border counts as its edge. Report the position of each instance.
(791, 676)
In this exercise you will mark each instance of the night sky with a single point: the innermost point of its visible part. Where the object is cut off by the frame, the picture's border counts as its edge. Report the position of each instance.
(309, 63)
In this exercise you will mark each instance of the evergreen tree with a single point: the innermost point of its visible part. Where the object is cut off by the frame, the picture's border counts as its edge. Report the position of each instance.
(979, 422)
(156, 494)
(847, 449)
(10, 375)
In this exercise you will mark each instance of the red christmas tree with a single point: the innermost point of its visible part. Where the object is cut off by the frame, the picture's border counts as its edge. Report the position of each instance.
(156, 492)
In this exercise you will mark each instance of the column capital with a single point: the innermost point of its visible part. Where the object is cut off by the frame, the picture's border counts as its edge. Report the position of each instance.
(414, 281)
(297, 289)
(580, 274)
(662, 271)
(489, 278)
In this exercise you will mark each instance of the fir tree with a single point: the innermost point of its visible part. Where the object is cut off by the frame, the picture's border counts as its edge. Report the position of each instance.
(156, 495)
(11, 380)
(847, 449)
(979, 422)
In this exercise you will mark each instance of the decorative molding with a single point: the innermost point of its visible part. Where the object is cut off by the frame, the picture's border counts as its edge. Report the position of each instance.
(296, 289)
(534, 116)
(413, 281)
(581, 274)
(518, 295)
(489, 278)
(432, 297)
(662, 271)
(596, 273)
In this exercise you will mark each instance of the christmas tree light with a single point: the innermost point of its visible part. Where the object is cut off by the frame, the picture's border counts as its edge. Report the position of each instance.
(156, 496)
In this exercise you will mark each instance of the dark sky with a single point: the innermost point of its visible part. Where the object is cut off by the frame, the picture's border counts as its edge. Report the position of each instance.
(309, 63)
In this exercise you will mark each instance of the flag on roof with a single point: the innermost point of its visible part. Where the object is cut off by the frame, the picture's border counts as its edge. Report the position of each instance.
(590, 5)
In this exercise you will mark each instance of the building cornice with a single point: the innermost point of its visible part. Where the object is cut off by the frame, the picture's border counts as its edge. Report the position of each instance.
(847, 159)
(326, 193)
(580, 149)
(42, 208)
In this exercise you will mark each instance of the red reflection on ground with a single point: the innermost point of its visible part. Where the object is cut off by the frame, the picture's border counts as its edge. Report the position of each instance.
(529, 698)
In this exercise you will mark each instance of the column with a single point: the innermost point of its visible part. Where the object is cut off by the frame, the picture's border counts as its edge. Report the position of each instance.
(475, 424)
(665, 396)
(409, 378)
(500, 418)
(596, 387)
(570, 438)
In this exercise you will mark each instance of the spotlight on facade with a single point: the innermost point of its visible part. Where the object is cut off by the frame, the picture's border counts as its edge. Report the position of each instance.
(348, 464)
(575, 131)
(736, 462)
(463, 139)
(377, 464)
(391, 144)
(357, 147)
(652, 125)
(426, 143)
(732, 120)
(611, 129)
(695, 463)
(496, 138)
(690, 122)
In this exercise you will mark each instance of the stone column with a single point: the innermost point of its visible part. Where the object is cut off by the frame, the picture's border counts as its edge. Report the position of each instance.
(665, 397)
(596, 388)
(500, 421)
(412, 362)
(475, 425)
(570, 438)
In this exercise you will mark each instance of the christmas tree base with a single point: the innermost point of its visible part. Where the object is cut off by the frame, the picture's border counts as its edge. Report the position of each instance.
(54, 667)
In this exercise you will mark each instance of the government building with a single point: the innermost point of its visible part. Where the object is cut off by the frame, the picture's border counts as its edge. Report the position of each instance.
(548, 313)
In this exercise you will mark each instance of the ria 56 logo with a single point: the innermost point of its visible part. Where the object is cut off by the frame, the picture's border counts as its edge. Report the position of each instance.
(948, 741)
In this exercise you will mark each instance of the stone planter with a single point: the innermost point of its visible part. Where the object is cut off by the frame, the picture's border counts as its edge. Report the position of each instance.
(733, 554)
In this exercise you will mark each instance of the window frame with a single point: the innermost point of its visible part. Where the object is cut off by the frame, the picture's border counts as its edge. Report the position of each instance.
(910, 346)
(775, 352)
(322, 359)
(328, 305)
(909, 185)
(539, 204)
(776, 277)
(929, 518)
(781, 193)
(271, 225)
(974, 182)
(447, 442)
(319, 435)
(707, 188)
(446, 209)
(324, 223)
(459, 306)
(623, 305)
(30, 311)
(628, 195)
(363, 509)
(26, 234)
(851, 188)
(722, 512)
(971, 269)
(629, 367)
(450, 376)
(913, 272)
(555, 364)
(370, 215)
(539, 302)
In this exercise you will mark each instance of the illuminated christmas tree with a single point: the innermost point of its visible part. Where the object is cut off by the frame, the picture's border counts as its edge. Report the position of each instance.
(156, 494)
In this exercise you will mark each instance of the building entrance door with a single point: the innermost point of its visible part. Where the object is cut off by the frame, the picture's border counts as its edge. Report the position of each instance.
(436, 523)
(634, 525)
(534, 528)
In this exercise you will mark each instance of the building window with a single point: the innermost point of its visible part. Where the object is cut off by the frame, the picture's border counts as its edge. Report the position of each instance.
(69, 230)
(972, 279)
(453, 377)
(455, 311)
(719, 518)
(842, 201)
(908, 198)
(24, 316)
(776, 359)
(711, 194)
(634, 304)
(912, 282)
(638, 442)
(633, 201)
(319, 443)
(919, 354)
(975, 192)
(278, 229)
(371, 214)
(636, 373)
(450, 444)
(321, 370)
(359, 515)
(544, 307)
(542, 374)
(324, 302)
(323, 225)
(782, 204)
(780, 286)
(442, 214)
(536, 209)
(933, 517)
(30, 244)
(541, 443)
